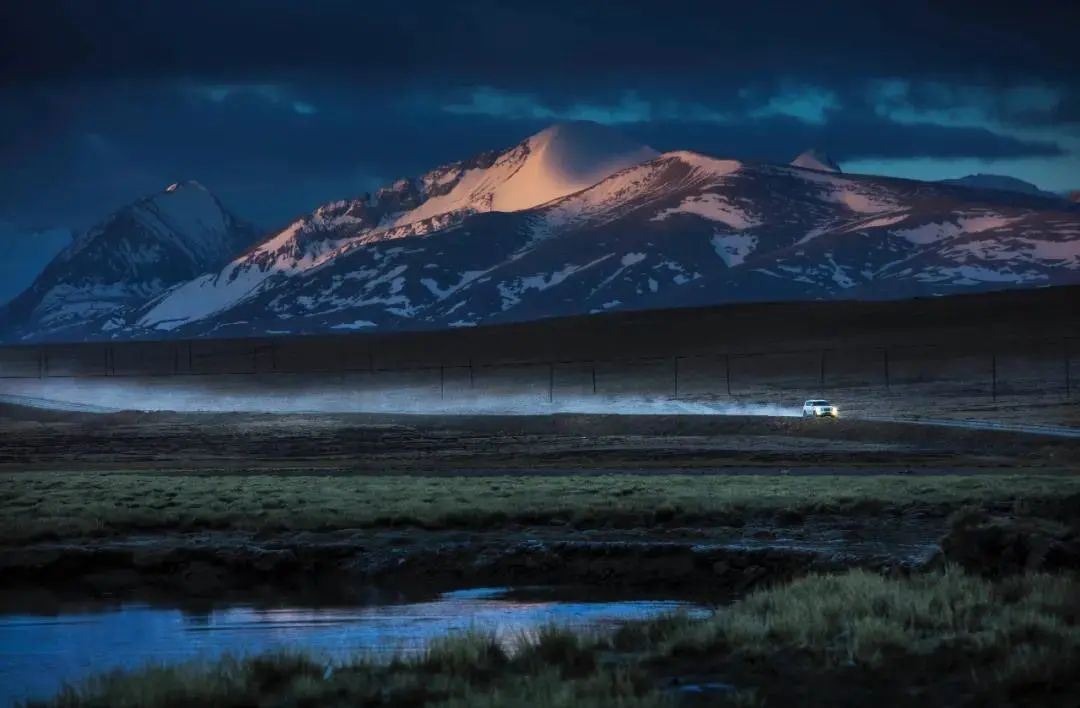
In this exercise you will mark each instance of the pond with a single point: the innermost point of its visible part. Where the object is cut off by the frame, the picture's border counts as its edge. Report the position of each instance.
(39, 653)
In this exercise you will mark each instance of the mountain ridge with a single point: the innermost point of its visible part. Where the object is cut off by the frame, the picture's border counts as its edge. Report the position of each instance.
(656, 230)
(1000, 182)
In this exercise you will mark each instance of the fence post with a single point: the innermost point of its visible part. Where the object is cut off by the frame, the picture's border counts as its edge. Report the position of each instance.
(40, 364)
(727, 372)
(1068, 372)
(822, 377)
(993, 375)
(371, 363)
(594, 377)
(472, 375)
(887, 384)
(442, 382)
(551, 382)
(675, 363)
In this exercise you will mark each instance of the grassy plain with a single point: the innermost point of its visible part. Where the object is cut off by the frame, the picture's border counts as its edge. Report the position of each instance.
(43, 505)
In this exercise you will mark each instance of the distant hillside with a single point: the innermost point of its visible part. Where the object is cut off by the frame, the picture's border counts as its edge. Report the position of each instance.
(1000, 182)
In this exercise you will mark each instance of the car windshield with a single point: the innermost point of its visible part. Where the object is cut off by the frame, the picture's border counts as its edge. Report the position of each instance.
(817, 403)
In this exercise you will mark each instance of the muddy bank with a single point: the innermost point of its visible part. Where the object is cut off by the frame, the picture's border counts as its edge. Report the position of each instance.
(714, 563)
(717, 562)
(998, 546)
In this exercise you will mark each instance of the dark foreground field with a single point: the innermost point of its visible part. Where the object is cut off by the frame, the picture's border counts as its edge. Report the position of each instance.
(34, 439)
(851, 562)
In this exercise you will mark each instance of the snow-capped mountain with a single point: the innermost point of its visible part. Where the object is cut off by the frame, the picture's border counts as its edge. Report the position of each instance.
(816, 160)
(133, 255)
(1002, 182)
(559, 160)
(513, 235)
(681, 228)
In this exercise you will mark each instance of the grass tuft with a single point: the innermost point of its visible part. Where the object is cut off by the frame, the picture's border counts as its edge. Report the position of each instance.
(862, 618)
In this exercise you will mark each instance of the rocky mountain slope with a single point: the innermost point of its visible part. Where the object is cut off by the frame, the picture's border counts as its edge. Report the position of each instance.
(89, 289)
(576, 219)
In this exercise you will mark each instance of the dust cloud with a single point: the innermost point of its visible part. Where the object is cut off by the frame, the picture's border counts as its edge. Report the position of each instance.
(166, 394)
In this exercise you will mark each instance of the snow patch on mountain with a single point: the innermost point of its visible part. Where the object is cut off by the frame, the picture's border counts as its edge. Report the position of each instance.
(858, 195)
(713, 207)
(199, 298)
(512, 292)
(632, 188)
(734, 248)
(975, 275)
(443, 293)
(357, 324)
(877, 223)
(1020, 249)
(863, 202)
(1068, 252)
(938, 231)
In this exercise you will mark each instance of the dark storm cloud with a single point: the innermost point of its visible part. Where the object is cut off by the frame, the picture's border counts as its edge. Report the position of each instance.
(273, 151)
(1065, 112)
(280, 105)
(781, 139)
(557, 42)
(71, 154)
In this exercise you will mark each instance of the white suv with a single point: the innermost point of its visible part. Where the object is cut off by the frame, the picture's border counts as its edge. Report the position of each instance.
(820, 408)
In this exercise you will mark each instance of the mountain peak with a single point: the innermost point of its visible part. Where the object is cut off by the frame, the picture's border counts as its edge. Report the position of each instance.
(568, 157)
(135, 253)
(559, 160)
(186, 185)
(816, 160)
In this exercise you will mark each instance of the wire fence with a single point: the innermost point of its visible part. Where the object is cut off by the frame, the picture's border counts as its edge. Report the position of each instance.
(988, 369)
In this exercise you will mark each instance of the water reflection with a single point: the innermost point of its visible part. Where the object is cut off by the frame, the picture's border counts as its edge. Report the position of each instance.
(38, 654)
